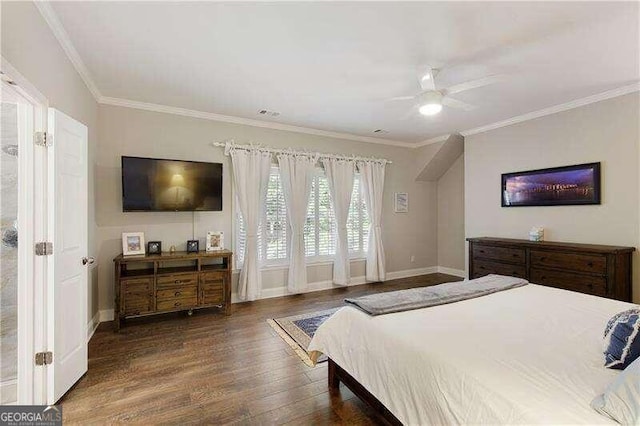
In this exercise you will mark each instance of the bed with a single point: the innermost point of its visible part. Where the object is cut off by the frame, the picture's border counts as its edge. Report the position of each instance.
(529, 355)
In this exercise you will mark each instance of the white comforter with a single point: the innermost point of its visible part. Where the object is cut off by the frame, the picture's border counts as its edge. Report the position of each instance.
(527, 355)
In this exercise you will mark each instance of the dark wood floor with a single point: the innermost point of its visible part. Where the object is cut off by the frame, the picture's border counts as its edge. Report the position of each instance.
(213, 369)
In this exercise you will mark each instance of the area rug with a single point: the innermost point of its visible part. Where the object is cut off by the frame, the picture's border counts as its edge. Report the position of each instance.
(298, 330)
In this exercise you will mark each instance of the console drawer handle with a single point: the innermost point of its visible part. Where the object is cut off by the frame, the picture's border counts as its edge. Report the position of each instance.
(177, 304)
(177, 293)
(178, 282)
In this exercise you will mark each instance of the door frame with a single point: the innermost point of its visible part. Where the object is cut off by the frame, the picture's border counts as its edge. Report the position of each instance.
(32, 206)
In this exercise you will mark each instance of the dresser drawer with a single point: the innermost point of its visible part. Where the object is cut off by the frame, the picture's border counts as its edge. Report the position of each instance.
(175, 304)
(136, 304)
(589, 263)
(502, 254)
(177, 293)
(136, 285)
(570, 281)
(176, 281)
(484, 267)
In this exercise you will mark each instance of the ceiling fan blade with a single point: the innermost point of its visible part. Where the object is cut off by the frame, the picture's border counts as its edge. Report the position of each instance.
(454, 103)
(401, 98)
(427, 80)
(474, 84)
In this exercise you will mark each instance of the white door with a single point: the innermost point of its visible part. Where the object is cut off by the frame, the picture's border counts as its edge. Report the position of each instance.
(67, 269)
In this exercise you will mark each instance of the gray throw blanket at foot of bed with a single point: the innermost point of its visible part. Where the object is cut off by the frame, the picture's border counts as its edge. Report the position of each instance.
(424, 297)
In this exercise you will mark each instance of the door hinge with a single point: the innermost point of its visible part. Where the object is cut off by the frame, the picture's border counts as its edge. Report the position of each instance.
(44, 358)
(44, 248)
(43, 139)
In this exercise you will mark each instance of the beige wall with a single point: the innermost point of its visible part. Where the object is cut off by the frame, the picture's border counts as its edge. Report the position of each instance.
(30, 46)
(451, 217)
(126, 131)
(606, 131)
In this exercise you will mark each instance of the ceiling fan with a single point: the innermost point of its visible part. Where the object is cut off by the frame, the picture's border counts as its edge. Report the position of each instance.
(431, 100)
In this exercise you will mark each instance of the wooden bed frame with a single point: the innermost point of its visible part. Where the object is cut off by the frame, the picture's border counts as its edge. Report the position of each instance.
(337, 374)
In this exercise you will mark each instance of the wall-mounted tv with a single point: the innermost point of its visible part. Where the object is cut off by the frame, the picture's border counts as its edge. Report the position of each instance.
(557, 186)
(152, 184)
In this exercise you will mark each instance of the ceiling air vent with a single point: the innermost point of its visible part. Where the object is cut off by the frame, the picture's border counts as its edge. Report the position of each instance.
(268, 113)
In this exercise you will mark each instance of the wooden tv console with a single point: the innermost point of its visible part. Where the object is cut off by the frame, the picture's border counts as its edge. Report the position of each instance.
(171, 282)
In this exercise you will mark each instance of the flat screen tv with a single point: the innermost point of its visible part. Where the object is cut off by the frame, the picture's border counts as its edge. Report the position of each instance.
(152, 184)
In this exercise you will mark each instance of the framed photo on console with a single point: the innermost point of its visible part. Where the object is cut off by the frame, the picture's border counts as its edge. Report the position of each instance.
(215, 241)
(133, 243)
(193, 246)
(154, 247)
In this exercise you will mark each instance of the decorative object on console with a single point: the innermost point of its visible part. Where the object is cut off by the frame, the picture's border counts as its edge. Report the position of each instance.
(401, 204)
(154, 247)
(193, 246)
(215, 241)
(586, 268)
(622, 339)
(536, 233)
(172, 249)
(133, 243)
(557, 186)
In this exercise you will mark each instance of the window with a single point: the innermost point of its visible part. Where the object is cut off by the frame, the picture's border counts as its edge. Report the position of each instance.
(319, 227)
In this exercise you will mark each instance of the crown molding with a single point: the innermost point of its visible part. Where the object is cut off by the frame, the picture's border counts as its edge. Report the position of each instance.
(431, 141)
(247, 121)
(620, 91)
(61, 35)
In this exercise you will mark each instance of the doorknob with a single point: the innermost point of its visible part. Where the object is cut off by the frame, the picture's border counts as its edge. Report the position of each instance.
(88, 260)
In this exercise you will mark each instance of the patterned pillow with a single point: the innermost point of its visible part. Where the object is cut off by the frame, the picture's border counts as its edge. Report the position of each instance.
(622, 339)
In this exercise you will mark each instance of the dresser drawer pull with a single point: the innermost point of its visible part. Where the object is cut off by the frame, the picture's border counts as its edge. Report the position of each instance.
(515, 255)
(590, 264)
(481, 267)
(542, 259)
(481, 251)
(177, 293)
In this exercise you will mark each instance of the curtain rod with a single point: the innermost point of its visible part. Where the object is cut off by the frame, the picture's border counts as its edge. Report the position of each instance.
(292, 151)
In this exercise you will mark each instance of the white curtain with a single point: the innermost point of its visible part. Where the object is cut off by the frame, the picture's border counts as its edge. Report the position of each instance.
(296, 174)
(372, 180)
(251, 176)
(340, 174)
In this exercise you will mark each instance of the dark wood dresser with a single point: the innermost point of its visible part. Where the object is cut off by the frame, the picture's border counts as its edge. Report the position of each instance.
(170, 282)
(586, 268)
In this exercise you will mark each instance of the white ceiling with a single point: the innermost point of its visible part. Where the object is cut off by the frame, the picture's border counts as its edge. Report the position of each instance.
(332, 66)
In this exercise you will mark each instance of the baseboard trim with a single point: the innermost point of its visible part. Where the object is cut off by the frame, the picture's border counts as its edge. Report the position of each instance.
(106, 315)
(452, 271)
(407, 273)
(9, 387)
(93, 325)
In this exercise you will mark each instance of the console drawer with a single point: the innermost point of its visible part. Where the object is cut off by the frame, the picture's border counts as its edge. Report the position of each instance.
(484, 267)
(136, 304)
(136, 286)
(176, 304)
(212, 293)
(589, 263)
(177, 280)
(503, 254)
(177, 293)
(570, 281)
(212, 277)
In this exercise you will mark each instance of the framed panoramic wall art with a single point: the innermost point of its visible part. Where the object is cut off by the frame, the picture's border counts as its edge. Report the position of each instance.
(557, 186)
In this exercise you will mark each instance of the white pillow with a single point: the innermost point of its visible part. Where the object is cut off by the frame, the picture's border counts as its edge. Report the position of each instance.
(621, 399)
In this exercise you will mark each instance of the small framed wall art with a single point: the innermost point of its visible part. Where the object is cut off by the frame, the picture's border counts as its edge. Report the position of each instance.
(154, 247)
(133, 243)
(401, 202)
(193, 246)
(215, 241)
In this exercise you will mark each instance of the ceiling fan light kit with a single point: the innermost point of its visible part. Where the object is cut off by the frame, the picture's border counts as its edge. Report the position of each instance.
(430, 103)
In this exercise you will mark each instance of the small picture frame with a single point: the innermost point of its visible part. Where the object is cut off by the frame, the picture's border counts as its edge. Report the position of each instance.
(154, 247)
(401, 202)
(193, 246)
(215, 241)
(133, 243)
